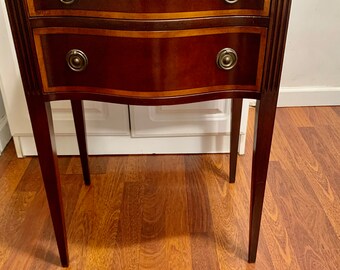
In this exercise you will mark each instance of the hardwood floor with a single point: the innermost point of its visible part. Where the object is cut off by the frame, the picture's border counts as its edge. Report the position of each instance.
(179, 211)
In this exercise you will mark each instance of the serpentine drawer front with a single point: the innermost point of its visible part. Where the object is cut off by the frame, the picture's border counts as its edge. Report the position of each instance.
(159, 63)
(151, 9)
(150, 52)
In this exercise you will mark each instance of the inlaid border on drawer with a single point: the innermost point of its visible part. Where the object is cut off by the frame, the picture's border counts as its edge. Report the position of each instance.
(130, 15)
(38, 32)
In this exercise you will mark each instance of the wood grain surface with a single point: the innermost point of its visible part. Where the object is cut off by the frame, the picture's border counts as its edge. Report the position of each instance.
(148, 9)
(179, 211)
(147, 57)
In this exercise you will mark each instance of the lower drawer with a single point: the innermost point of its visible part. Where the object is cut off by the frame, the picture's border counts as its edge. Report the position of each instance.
(150, 64)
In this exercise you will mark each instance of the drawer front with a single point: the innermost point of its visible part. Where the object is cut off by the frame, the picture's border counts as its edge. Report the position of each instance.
(148, 9)
(150, 64)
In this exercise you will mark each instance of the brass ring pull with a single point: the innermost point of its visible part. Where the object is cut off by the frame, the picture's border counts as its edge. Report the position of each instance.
(231, 1)
(67, 2)
(226, 59)
(76, 60)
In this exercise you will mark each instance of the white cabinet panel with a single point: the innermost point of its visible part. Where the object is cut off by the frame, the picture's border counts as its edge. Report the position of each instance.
(195, 119)
(105, 124)
(205, 122)
(101, 118)
(202, 118)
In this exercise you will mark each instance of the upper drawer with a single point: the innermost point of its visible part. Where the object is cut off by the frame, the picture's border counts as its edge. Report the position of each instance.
(148, 9)
(150, 64)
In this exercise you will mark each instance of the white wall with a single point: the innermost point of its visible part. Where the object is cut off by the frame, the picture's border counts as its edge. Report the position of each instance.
(5, 134)
(2, 107)
(5, 57)
(311, 74)
(10, 81)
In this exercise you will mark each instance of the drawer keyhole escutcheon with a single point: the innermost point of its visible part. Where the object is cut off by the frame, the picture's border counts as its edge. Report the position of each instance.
(76, 60)
(231, 1)
(226, 59)
(67, 2)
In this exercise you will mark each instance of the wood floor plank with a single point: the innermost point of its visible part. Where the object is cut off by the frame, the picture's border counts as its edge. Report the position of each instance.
(316, 164)
(178, 244)
(153, 241)
(40, 245)
(321, 116)
(297, 116)
(106, 200)
(323, 153)
(330, 187)
(130, 217)
(63, 164)
(130, 225)
(203, 248)
(98, 165)
(333, 141)
(135, 167)
(276, 234)
(230, 213)
(230, 233)
(10, 179)
(336, 109)
(24, 224)
(307, 223)
(12, 205)
(306, 152)
(6, 157)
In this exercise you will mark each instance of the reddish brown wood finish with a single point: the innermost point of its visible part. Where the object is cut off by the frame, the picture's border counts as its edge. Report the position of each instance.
(146, 59)
(154, 92)
(146, 6)
(149, 25)
(236, 110)
(79, 121)
(45, 143)
(265, 117)
(143, 9)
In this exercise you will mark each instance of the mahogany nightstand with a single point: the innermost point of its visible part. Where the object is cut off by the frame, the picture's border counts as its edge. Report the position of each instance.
(146, 52)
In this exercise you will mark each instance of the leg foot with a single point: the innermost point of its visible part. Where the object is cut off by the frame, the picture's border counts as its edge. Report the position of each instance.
(41, 117)
(264, 125)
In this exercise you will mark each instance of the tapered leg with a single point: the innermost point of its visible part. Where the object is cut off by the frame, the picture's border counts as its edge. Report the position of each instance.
(236, 109)
(79, 121)
(264, 124)
(41, 118)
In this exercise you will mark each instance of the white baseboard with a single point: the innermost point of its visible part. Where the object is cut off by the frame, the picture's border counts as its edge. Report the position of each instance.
(309, 96)
(5, 134)
(306, 96)
(123, 145)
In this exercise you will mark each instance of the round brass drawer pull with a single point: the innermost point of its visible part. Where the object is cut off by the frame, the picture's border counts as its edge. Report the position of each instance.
(231, 1)
(226, 59)
(76, 60)
(67, 2)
